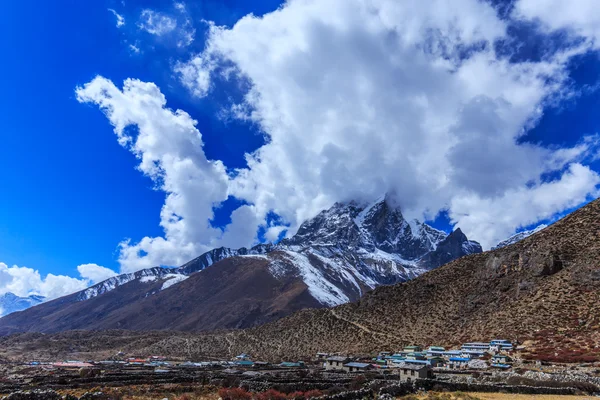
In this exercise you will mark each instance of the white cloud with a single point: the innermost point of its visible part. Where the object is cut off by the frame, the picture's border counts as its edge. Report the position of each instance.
(489, 219)
(24, 281)
(178, 26)
(120, 18)
(362, 98)
(580, 17)
(186, 34)
(357, 98)
(134, 48)
(170, 151)
(156, 23)
(95, 273)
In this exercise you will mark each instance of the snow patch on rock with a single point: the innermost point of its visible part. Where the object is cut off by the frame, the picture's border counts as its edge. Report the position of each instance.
(320, 288)
(173, 279)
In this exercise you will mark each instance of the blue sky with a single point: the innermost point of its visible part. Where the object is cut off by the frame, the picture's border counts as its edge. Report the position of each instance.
(72, 193)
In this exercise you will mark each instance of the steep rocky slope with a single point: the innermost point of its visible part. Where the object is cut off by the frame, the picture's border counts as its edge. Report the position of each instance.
(542, 291)
(334, 258)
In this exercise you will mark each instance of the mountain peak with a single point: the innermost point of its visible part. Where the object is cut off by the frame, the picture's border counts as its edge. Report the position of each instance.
(372, 226)
(10, 302)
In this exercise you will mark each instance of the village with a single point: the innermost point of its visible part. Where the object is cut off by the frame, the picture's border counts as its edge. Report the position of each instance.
(411, 363)
(494, 366)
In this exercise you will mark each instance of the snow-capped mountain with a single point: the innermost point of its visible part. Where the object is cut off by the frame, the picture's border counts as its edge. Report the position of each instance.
(344, 251)
(519, 236)
(370, 227)
(145, 275)
(333, 258)
(10, 303)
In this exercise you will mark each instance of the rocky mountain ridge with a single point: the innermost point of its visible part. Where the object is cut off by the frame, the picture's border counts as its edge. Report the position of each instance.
(372, 242)
(334, 258)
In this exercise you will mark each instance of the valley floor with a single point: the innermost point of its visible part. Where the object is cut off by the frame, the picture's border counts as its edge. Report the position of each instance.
(491, 396)
(507, 396)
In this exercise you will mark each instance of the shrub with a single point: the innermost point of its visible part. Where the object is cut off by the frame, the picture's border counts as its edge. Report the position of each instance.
(273, 394)
(295, 396)
(313, 393)
(234, 394)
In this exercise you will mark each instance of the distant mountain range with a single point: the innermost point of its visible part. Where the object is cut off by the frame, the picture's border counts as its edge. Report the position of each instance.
(542, 292)
(9, 303)
(334, 258)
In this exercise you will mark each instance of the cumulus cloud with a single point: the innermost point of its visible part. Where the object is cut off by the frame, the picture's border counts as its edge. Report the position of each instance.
(95, 273)
(24, 281)
(169, 148)
(119, 17)
(358, 98)
(378, 97)
(578, 17)
(489, 218)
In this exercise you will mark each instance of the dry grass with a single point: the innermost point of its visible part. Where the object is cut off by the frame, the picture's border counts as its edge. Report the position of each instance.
(507, 396)
(491, 396)
(154, 392)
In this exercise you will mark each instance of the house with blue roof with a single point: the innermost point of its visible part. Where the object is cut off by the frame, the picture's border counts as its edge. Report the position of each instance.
(481, 346)
(501, 345)
(289, 364)
(501, 359)
(357, 367)
(435, 351)
(458, 362)
(472, 354)
(415, 356)
(436, 361)
(452, 353)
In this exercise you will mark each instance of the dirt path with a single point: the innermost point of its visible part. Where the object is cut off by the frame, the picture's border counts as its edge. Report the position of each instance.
(229, 343)
(362, 327)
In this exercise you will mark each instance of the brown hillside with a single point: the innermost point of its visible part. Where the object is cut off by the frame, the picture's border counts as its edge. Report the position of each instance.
(543, 290)
(237, 292)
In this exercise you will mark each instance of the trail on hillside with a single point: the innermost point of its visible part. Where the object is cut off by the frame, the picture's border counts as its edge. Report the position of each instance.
(362, 327)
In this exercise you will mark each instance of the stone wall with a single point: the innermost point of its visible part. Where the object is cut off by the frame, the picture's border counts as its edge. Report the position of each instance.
(52, 395)
(490, 388)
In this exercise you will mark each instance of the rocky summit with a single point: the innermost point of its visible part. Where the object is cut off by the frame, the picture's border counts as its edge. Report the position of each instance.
(334, 258)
